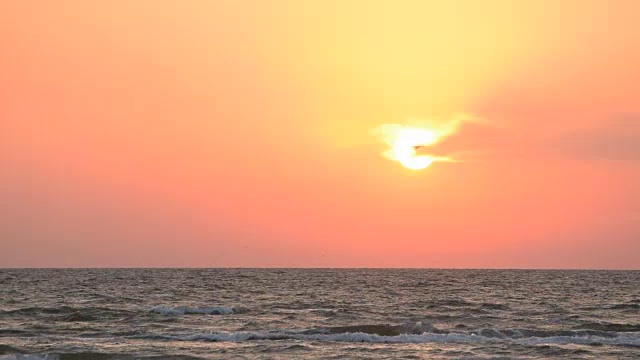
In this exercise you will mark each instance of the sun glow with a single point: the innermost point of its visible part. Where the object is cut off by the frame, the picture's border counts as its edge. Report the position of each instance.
(404, 143)
(407, 143)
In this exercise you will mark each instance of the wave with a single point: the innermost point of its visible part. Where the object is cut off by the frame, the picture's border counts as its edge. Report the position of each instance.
(379, 329)
(416, 333)
(627, 306)
(605, 326)
(494, 306)
(14, 332)
(34, 310)
(359, 337)
(6, 349)
(420, 328)
(86, 314)
(631, 305)
(67, 313)
(184, 310)
(90, 355)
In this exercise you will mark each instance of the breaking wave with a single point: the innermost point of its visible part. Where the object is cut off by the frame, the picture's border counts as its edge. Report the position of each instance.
(625, 340)
(416, 333)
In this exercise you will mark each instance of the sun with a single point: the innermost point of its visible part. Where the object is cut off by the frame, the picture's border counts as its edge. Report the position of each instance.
(407, 144)
(404, 144)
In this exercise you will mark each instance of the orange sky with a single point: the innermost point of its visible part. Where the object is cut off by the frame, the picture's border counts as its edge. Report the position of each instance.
(237, 133)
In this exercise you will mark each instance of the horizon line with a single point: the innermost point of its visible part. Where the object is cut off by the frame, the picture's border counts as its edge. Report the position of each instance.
(306, 268)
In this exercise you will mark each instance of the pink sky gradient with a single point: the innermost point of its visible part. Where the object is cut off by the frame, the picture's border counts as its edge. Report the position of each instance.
(236, 133)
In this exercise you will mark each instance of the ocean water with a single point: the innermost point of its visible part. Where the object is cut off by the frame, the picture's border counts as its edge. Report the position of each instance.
(310, 314)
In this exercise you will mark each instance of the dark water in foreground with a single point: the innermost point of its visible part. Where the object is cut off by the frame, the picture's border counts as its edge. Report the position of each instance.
(332, 314)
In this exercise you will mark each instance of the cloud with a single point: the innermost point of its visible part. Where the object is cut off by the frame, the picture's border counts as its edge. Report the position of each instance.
(473, 137)
(619, 140)
(411, 143)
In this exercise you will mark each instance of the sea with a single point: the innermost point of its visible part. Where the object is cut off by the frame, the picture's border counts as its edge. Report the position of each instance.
(318, 314)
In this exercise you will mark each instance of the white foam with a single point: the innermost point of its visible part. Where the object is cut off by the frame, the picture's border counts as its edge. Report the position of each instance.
(626, 339)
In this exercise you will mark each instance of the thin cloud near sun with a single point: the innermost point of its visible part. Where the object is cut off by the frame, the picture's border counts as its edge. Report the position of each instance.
(410, 143)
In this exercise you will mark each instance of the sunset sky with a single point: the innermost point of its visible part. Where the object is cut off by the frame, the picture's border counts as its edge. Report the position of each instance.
(240, 133)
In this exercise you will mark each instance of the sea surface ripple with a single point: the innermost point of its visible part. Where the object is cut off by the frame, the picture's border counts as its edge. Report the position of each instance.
(318, 313)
